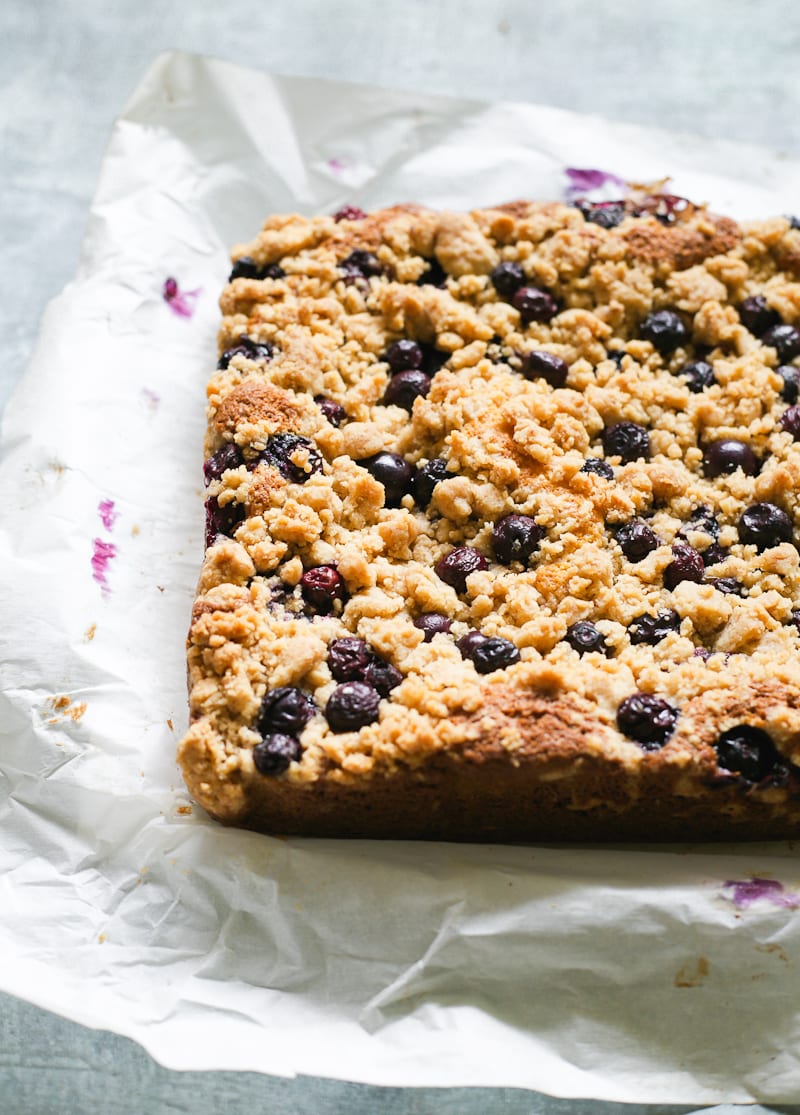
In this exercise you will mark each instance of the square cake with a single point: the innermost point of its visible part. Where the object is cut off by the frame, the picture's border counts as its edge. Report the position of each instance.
(501, 527)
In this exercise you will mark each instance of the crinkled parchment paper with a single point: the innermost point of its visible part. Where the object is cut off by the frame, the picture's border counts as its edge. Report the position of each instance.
(624, 974)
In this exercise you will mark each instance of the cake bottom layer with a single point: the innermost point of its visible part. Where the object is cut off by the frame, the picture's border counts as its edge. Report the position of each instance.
(497, 802)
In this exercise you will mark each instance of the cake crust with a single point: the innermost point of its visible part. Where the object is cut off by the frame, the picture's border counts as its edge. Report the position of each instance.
(623, 668)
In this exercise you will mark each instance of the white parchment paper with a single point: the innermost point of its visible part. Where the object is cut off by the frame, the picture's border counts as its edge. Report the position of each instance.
(621, 974)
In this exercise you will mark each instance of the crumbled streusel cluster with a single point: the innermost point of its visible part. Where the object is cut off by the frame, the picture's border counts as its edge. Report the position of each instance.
(554, 448)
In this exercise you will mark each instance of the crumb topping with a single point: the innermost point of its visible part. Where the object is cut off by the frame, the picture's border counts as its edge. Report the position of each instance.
(539, 342)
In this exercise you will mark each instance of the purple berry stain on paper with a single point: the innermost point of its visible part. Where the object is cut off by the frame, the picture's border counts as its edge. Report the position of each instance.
(151, 398)
(108, 513)
(102, 553)
(181, 302)
(586, 180)
(337, 165)
(743, 893)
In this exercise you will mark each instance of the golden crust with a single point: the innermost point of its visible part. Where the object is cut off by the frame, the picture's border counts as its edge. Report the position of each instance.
(681, 247)
(532, 751)
(252, 402)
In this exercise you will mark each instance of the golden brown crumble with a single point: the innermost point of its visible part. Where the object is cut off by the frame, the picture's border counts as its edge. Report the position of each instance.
(512, 444)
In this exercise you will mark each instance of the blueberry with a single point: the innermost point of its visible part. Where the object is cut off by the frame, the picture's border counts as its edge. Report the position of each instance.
(794, 222)
(351, 706)
(545, 365)
(403, 355)
(221, 520)
(651, 629)
(730, 586)
(647, 719)
(686, 565)
(616, 355)
(487, 653)
(702, 519)
(795, 619)
(665, 331)
(534, 304)
(715, 554)
(790, 421)
(791, 382)
(584, 637)
(637, 540)
(699, 376)
(333, 411)
(746, 751)
(426, 479)
(606, 214)
(405, 387)
(433, 275)
(455, 567)
(598, 467)
(275, 753)
(322, 586)
(433, 623)
(229, 456)
(349, 213)
(348, 658)
(764, 525)
(245, 346)
(433, 359)
(286, 710)
(516, 538)
(507, 278)
(726, 455)
(281, 448)
(467, 643)
(361, 265)
(757, 316)
(494, 654)
(785, 339)
(391, 470)
(245, 267)
(627, 440)
(382, 676)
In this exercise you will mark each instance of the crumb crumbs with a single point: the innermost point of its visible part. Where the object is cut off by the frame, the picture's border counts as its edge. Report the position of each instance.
(61, 703)
(693, 973)
(775, 948)
(90, 632)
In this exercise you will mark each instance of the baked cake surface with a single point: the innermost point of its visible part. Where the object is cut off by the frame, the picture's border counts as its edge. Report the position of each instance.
(502, 527)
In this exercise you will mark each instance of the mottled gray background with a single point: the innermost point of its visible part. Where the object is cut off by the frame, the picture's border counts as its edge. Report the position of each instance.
(724, 68)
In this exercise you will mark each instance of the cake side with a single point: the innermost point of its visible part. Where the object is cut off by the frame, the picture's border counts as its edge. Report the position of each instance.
(486, 511)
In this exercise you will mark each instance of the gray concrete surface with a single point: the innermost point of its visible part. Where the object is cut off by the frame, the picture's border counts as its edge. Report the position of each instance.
(718, 68)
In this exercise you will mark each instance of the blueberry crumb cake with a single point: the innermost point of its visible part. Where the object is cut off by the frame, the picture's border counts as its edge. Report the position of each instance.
(502, 527)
